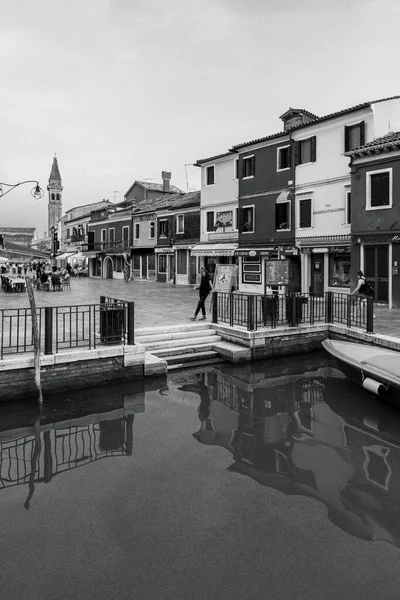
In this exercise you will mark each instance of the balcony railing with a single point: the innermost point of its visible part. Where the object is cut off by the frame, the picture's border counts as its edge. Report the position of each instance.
(106, 247)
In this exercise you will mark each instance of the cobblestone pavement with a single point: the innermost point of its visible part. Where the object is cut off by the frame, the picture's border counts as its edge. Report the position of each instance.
(156, 304)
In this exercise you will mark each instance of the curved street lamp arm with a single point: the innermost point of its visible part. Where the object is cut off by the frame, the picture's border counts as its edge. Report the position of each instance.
(36, 192)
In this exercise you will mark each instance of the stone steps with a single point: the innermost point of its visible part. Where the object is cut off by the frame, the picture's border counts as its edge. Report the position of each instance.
(189, 342)
(172, 335)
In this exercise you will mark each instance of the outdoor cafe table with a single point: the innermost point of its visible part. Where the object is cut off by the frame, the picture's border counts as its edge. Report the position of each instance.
(17, 284)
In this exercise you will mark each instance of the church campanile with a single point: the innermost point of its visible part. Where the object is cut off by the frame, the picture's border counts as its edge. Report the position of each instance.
(55, 189)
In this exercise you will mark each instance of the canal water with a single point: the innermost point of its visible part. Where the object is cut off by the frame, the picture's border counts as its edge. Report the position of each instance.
(275, 479)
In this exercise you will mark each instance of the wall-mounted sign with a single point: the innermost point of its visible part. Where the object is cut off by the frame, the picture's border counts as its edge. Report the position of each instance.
(223, 235)
(320, 250)
(223, 219)
(225, 278)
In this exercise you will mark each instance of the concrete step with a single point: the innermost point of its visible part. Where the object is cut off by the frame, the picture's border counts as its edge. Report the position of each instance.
(187, 342)
(172, 335)
(192, 349)
(191, 358)
(190, 326)
(195, 364)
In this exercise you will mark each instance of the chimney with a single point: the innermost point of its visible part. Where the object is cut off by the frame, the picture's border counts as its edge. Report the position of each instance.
(166, 178)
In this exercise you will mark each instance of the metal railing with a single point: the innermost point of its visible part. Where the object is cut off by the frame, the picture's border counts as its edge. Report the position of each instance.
(253, 311)
(65, 327)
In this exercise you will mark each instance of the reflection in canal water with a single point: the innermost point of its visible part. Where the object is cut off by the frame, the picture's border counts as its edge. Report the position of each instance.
(65, 435)
(308, 432)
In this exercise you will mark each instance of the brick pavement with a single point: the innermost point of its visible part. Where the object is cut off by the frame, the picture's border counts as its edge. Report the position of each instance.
(155, 303)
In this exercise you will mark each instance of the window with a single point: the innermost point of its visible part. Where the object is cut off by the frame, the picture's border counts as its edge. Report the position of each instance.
(348, 209)
(248, 219)
(210, 175)
(339, 269)
(181, 262)
(58, 196)
(249, 166)
(68, 232)
(379, 189)
(111, 235)
(251, 269)
(137, 231)
(180, 224)
(305, 206)
(162, 263)
(306, 151)
(283, 158)
(53, 197)
(282, 215)
(103, 238)
(236, 176)
(354, 136)
(118, 264)
(162, 225)
(236, 218)
(152, 230)
(125, 235)
(210, 220)
(136, 262)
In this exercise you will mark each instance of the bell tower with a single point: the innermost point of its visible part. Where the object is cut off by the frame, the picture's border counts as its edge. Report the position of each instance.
(55, 189)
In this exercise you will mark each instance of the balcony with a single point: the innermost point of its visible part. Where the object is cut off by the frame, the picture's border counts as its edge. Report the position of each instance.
(106, 247)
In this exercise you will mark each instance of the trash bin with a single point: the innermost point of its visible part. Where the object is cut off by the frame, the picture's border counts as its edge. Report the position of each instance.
(294, 319)
(112, 323)
(270, 308)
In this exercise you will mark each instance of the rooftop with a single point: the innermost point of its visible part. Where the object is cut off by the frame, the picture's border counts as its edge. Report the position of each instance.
(167, 202)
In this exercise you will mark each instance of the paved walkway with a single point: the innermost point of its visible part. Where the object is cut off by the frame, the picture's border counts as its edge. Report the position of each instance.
(155, 303)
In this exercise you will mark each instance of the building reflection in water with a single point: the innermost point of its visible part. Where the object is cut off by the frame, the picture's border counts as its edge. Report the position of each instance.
(97, 426)
(309, 433)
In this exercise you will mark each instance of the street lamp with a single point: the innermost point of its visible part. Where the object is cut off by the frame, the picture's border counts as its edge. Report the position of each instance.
(36, 192)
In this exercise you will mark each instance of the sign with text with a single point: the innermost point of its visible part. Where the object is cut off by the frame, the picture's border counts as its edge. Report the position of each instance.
(277, 272)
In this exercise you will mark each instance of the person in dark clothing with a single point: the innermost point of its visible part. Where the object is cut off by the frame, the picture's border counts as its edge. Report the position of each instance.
(204, 289)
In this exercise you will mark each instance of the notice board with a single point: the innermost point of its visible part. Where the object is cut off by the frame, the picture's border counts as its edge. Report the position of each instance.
(277, 272)
(225, 278)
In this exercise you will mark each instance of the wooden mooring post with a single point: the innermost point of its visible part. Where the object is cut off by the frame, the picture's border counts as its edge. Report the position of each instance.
(36, 339)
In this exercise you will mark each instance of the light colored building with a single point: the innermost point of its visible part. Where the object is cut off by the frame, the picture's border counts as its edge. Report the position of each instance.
(218, 211)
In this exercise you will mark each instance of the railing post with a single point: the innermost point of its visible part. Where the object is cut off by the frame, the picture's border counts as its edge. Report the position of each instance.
(349, 311)
(250, 312)
(328, 307)
(370, 315)
(293, 310)
(214, 307)
(231, 309)
(311, 301)
(102, 299)
(131, 324)
(48, 330)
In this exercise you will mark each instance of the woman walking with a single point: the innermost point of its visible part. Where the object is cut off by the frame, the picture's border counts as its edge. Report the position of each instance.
(204, 288)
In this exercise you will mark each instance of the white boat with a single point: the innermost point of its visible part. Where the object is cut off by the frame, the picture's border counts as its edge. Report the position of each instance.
(376, 369)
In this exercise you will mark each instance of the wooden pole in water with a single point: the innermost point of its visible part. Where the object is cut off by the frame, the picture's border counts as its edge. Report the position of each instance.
(36, 340)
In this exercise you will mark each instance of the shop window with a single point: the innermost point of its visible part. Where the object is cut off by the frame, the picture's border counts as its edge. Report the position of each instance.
(339, 269)
(163, 226)
(210, 220)
(251, 269)
(136, 262)
(118, 264)
(151, 262)
(181, 263)
(282, 215)
(162, 263)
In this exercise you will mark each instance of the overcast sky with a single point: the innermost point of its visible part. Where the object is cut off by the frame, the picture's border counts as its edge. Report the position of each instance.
(123, 89)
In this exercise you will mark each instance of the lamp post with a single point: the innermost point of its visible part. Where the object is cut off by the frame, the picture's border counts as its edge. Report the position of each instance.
(37, 193)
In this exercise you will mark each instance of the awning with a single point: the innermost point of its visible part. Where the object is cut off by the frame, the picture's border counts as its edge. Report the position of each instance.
(65, 255)
(283, 197)
(214, 250)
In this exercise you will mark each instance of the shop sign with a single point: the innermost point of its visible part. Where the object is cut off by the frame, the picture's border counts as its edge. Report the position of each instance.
(229, 235)
(340, 249)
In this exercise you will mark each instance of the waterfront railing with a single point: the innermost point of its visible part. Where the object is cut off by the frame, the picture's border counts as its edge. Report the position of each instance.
(253, 311)
(84, 326)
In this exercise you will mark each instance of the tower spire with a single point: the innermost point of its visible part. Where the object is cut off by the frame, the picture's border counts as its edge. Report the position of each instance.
(55, 189)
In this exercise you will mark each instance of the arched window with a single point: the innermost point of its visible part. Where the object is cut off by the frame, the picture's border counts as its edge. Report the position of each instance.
(53, 197)
(58, 196)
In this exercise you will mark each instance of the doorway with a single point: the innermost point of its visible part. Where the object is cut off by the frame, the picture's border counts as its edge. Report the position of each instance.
(317, 274)
(144, 266)
(171, 269)
(108, 268)
(376, 270)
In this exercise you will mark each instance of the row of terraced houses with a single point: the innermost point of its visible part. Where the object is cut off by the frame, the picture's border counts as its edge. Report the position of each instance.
(321, 194)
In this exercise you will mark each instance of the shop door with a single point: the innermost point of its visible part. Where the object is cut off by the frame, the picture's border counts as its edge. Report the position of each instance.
(192, 270)
(144, 266)
(171, 274)
(317, 274)
(376, 270)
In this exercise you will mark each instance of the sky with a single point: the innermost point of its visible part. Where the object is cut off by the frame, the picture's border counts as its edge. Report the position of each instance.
(124, 89)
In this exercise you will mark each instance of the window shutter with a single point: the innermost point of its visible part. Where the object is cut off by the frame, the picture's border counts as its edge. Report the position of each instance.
(241, 219)
(362, 133)
(253, 165)
(289, 157)
(296, 153)
(346, 139)
(313, 148)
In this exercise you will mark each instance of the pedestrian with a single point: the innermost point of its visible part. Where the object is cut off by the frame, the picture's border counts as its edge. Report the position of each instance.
(362, 291)
(204, 288)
